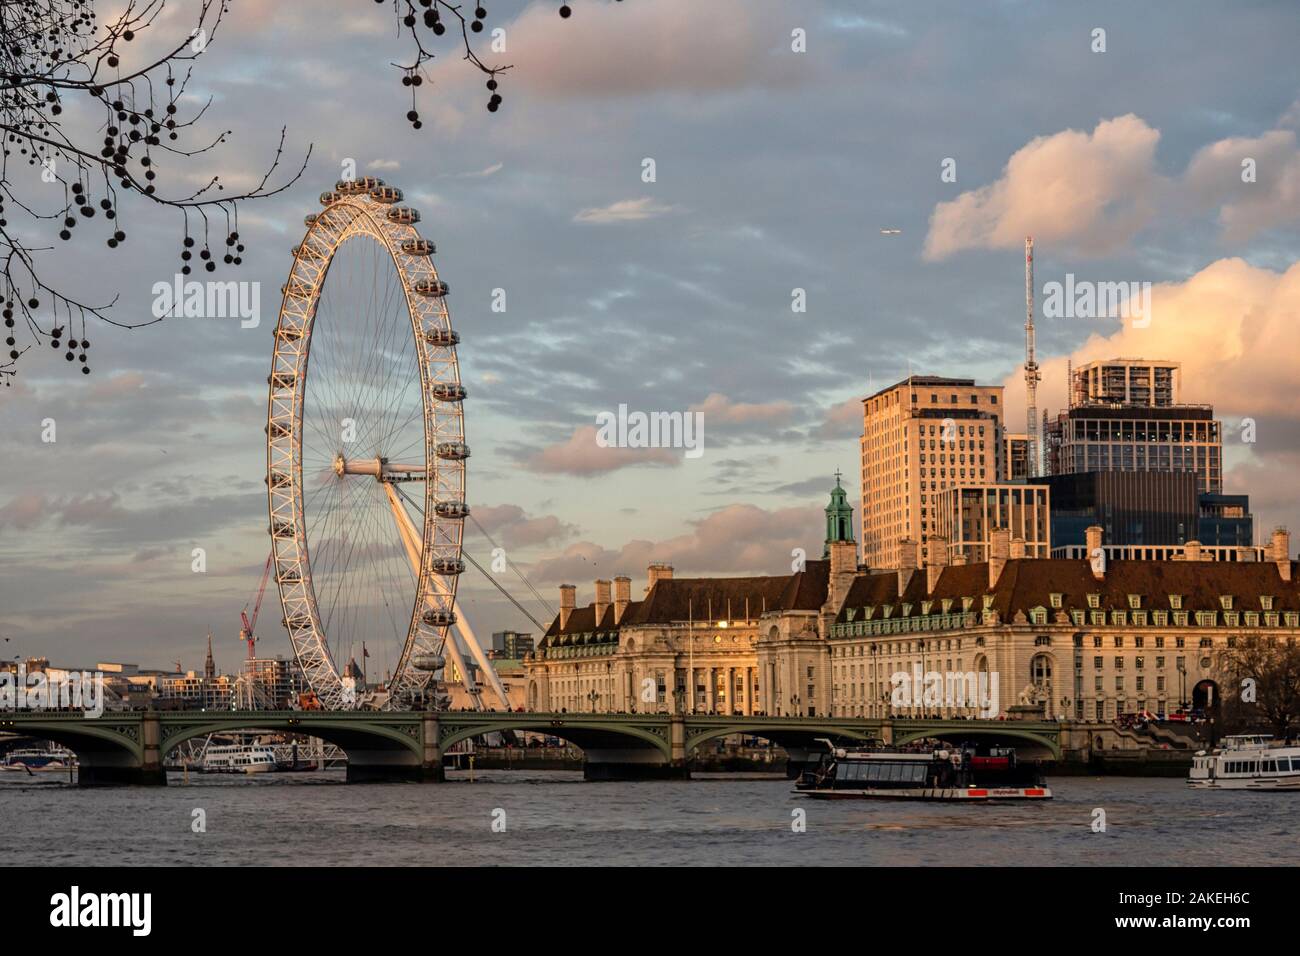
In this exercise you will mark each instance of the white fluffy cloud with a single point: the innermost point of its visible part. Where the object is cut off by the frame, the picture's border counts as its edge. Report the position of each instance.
(1089, 191)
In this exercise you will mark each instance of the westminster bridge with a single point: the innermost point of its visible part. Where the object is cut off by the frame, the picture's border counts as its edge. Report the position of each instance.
(129, 747)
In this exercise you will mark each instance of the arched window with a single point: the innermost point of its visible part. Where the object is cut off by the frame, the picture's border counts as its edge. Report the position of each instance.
(1040, 670)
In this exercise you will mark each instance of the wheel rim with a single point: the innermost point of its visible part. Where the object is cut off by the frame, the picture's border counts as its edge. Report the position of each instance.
(365, 421)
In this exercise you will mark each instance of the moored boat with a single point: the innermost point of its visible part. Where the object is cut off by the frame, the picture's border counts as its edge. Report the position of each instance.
(940, 773)
(1246, 762)
(238, 758)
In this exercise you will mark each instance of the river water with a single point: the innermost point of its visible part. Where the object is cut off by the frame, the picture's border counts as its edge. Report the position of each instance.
(506, 817)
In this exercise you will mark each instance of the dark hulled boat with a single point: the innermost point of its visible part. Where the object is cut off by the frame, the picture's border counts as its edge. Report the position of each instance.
(942, 773)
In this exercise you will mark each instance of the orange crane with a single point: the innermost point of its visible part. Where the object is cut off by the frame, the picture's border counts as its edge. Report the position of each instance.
(246, 633)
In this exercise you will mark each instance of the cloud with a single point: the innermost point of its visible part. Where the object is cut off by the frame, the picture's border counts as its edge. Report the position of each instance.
(717, 409)
(517, 530)
(736, 539)
(625, 210)
(23, 512)
(581, 455)
(621, 49)
(1232, 326)
(843, 420)
(1090, 192)
(1214, 177)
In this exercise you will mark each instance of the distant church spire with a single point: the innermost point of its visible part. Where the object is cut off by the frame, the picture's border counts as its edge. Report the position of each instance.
(839, 517)
(209, 665)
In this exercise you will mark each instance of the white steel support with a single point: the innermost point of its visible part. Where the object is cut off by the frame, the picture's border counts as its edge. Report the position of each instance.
(410, 537)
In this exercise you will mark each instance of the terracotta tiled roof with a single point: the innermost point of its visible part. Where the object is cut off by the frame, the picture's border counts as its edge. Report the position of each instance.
(1028, 583)
(679, 599)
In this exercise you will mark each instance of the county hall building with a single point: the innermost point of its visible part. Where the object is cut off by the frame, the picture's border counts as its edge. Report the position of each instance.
(1068, 638)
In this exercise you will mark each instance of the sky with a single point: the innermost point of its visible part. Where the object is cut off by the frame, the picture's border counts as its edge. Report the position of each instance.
(775, 170)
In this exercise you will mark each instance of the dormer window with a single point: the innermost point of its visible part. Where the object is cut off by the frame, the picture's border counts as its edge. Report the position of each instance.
(966, 602)
(1038, 616)
(925, 606)
(1056, 599)
(888, 610)
(850, 613)
(945, 605)
(907, 610)
(1094, 600)
(1176, 602)
(1225, 601)
(1266, 602)
(988, 601)
(1135, 601)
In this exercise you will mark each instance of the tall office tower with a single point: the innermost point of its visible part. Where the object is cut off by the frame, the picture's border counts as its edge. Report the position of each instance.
(919, 437)
(1125, 415)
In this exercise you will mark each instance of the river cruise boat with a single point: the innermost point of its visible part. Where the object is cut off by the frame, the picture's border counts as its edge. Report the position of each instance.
(238, 758)
(942, 773)
(1246, 762)
(39, 759)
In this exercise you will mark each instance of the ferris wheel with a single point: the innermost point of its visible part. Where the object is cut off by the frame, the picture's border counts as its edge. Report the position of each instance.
(366, 455)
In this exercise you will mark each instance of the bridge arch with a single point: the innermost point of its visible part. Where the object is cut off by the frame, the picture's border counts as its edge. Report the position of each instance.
(984, 731)
(586, 734)
(347, 736)
(789, 736)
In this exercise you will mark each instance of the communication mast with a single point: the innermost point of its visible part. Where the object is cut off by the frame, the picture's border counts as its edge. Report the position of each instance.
(1032, 375)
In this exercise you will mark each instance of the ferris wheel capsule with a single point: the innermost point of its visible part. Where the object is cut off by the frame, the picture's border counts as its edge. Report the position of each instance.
(418, 247)
(352, 187)
(443, 338)
(439, 618)
(386, 194)
(330, 197)
(404, 215)
(428, 662)
(449, 392)
(451, 509)
(453, 450)
(432, 287)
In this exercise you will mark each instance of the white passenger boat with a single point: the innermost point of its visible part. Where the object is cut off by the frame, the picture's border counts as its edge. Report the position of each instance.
(238, 758)
(1246, 762)
(39, 759)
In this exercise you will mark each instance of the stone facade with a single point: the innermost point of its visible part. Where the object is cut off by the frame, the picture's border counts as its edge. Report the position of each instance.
(1010, 636)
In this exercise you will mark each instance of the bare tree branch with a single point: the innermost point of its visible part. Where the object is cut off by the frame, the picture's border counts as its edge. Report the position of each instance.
(52, 51)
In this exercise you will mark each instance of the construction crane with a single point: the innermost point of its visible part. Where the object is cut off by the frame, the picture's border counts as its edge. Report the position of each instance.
(246, 633)
(1032, 374)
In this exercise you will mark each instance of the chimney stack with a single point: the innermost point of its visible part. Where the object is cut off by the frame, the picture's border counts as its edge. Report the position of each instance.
(658, 571)
(568, 595)
(935, 564)
(907, 563)
(1093, 538)
(602, 599)
(622, 596)
(1192, 550)
(1017, 547)
(1282, 552)
(999, 552)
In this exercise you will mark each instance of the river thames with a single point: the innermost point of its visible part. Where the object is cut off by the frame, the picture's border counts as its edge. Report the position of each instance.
(555, 818)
